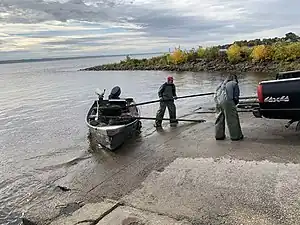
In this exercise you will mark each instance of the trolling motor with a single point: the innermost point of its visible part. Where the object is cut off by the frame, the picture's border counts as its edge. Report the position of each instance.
(100, 99)
(100, 95)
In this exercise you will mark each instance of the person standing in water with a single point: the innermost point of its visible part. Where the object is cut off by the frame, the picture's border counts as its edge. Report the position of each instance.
(167, 94)
(226, 98)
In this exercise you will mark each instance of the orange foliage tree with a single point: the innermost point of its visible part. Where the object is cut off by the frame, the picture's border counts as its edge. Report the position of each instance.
(234, 53)
(262, 52)
(178, 56)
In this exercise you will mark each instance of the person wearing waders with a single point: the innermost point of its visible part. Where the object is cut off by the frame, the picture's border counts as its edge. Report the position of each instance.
(226, 98)
(167, 94)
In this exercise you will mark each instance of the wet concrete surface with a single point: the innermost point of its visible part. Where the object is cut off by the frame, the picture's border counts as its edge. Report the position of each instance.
(255, 181)
(88, 214)
(225, 191)
(130, 216)
(117, 174)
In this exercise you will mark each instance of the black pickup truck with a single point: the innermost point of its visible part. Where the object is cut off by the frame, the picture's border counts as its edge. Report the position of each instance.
(280, 98)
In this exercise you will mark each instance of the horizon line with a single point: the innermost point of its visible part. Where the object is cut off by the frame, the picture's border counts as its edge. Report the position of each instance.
(8, 61)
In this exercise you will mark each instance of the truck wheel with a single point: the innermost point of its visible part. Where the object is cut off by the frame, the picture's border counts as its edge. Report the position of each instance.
(298, 126)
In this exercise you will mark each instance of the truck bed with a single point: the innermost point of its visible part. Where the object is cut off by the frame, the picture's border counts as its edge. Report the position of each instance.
(280, 99)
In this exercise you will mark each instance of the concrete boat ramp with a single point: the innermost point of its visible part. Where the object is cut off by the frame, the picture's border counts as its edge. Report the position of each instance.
(200, 181)
(110, 212)
(204, 191)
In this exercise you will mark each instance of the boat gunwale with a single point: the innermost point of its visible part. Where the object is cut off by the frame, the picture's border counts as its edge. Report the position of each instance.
(110, 127)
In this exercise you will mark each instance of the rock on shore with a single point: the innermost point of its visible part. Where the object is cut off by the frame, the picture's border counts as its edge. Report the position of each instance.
(203, 65)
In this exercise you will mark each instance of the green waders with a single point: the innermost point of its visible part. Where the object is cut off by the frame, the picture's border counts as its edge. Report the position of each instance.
(227, 111)
(161, 112)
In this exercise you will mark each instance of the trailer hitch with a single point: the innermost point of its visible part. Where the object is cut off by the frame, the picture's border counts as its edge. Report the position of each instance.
(291, 122)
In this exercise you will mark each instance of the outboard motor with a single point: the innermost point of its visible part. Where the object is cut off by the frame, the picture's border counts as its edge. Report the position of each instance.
(115, 93)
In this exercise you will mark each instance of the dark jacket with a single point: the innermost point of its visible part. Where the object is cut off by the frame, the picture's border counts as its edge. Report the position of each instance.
(167, 91)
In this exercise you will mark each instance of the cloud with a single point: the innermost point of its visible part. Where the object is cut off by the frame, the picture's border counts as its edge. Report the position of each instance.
(62, 27)
(34, 11)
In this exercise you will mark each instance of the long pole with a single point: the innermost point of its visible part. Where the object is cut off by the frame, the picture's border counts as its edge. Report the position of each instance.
(153, 118)
(187, 96)
(211, 112)
(181, 97)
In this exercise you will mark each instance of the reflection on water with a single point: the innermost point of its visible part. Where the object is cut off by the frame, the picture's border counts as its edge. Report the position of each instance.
(43, 107)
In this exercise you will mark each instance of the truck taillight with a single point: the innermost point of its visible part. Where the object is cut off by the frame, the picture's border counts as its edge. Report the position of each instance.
(260, 94)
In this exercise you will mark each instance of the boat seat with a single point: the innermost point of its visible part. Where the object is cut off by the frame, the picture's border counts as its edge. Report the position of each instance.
(113, 107)
(92, 116)
(120, 102)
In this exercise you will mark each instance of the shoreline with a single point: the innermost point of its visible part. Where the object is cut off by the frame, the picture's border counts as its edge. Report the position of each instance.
(201, 65)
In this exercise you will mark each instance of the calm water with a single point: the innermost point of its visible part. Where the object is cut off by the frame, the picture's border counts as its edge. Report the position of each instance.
(43, 107)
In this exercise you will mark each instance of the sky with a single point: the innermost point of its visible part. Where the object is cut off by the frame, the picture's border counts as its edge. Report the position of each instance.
(64, 28)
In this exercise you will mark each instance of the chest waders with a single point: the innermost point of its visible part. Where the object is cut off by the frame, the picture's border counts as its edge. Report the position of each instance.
(226, 111)
(166, 94)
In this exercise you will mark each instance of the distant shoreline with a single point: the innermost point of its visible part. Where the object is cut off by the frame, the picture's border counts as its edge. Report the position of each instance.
(206, 66)
(11, 61)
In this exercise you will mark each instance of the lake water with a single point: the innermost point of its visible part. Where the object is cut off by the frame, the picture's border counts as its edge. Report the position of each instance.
(42, 118)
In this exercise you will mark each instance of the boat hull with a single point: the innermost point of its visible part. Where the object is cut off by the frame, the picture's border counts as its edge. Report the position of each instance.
(113, 137)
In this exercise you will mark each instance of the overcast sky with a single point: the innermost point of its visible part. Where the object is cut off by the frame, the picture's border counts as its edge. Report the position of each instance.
(51, 28)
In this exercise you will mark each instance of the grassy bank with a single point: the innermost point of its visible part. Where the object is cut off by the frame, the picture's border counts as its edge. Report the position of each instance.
(267, 55)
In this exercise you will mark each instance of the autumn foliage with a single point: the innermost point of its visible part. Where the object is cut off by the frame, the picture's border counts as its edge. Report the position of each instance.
(178, 56)
(278, 52)
(234, 53)
(262, 52)
(276, 49)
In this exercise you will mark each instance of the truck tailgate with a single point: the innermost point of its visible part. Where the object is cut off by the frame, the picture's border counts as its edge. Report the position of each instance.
(280, 99)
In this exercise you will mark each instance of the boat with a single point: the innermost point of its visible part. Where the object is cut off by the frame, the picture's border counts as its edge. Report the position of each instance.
(112, 122)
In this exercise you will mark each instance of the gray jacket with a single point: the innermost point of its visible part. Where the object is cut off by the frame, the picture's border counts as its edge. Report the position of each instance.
(233, 91)
(227, 91)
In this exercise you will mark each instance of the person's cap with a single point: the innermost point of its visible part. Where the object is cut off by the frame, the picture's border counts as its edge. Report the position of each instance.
(170, 78)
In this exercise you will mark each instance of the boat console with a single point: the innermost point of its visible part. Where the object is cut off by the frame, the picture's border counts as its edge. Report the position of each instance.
(114, 107)
(120, 102)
